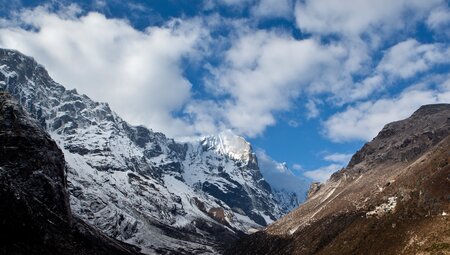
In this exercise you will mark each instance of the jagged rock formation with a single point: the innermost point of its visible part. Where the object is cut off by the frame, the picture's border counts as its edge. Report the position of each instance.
(137, 185)
(35, 216)
(392, 198)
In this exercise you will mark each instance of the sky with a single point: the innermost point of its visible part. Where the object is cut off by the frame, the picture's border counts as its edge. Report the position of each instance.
(307, 82)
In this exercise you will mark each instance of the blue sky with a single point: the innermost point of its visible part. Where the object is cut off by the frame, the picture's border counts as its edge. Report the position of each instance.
(307, 82)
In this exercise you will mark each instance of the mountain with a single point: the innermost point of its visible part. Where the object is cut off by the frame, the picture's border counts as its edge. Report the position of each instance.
(137, 185)
(392, 198)
(34, 211)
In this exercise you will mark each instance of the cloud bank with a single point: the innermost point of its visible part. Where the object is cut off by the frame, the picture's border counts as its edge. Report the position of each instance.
(348, 57)
(280, 177)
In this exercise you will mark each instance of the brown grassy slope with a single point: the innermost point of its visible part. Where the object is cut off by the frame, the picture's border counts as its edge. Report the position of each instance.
(334, 220)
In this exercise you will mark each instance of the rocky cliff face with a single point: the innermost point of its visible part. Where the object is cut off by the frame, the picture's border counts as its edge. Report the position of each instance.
(137, 185)
(392, 198)
(34, 210)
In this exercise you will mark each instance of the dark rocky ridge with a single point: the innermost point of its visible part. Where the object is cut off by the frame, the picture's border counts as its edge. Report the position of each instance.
(35, 216)
(392, 198)
(403, 141)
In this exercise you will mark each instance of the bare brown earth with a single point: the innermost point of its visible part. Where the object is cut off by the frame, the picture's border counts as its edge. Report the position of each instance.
(393, 198)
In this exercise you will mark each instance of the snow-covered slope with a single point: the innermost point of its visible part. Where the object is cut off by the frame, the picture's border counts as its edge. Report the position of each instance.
(138, 185)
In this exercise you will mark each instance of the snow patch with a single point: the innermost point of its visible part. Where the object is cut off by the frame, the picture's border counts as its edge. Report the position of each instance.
(384, 208)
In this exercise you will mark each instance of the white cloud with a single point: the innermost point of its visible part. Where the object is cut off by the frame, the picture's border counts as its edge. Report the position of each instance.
(280, 177)
(335, 79)
(353, 18)
(409, 58)
(323, 173)
(404, 60)
(439, 19)
(274, 8)
(338, 158)
(138, 73)
(206, 116)
(100, 3)
(313, 110)
(264, 71)
(364, 120)
(297, 167)
(363, 28)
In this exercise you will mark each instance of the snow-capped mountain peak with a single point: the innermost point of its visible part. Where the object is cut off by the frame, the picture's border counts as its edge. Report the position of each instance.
(229, 144)
(137, 185)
